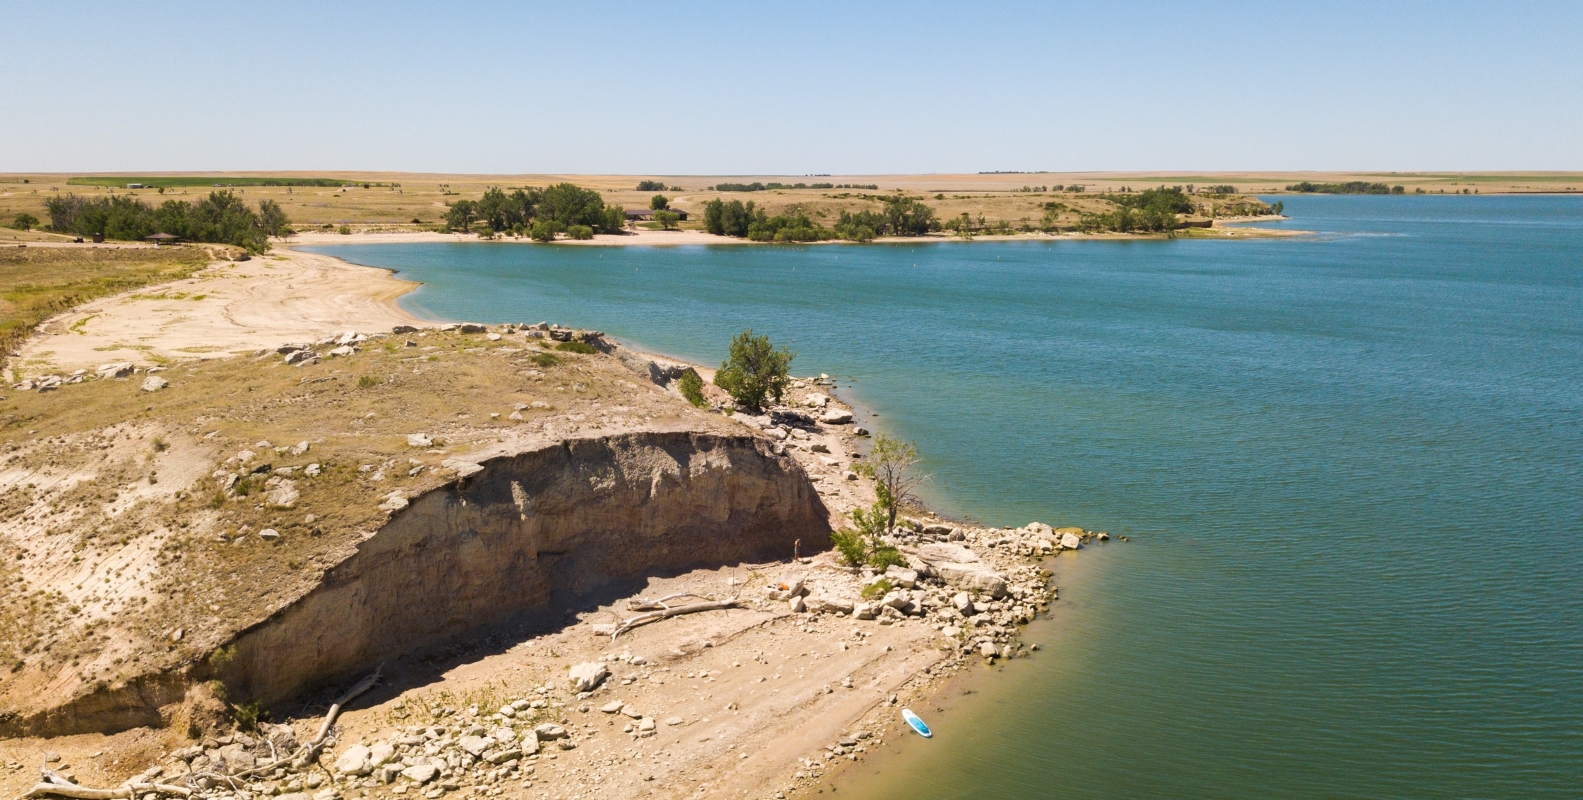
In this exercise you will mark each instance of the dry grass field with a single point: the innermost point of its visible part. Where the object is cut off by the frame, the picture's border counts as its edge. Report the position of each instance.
(395, 201)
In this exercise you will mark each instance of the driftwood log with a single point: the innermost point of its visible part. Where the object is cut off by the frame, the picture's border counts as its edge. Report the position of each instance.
(55, 784)
(674, 611)
(662, 604)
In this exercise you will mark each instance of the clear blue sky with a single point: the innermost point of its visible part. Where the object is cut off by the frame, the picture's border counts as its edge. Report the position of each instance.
(742, 87)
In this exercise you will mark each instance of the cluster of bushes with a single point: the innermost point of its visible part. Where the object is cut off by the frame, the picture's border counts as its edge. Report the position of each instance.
(188, 181)
(900, 216)
(538, 213)
(760, 187)
(1219, 188)
(965, 226)
(220, 218)
(656, 186)
(1249, 209)
(744, 220)
(1151, 210)
(1350, 187)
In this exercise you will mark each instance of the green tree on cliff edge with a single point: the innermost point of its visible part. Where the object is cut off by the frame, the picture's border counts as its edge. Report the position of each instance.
(755, 371)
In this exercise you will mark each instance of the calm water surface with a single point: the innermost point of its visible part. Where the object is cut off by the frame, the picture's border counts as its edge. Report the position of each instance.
(1351, 466)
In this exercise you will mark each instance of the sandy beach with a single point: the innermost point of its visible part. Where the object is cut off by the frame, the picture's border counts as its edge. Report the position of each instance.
(230, 308)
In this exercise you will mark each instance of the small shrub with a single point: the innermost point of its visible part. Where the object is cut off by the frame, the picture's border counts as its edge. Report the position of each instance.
(544, 359)
(544, 231)
(344, 230)
(883, 555)
(851, 546)
(692, 388)
(367, 381)
(249, 715)
(160, 445)
(217, 499)
(577, 347)
(579, 232)
(870, 522)
(877, 589)
(220, 657)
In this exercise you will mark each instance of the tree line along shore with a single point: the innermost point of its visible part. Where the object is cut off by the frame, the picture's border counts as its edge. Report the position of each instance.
(994, 202)
(249, 214)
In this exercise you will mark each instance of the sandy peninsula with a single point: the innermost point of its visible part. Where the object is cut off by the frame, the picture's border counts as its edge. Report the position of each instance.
(803, 671)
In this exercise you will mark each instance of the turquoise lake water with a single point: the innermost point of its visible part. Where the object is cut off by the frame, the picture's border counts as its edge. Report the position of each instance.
(1351, 466)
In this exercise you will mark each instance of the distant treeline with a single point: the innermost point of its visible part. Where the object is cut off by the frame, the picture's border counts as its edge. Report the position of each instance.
(221, 218)
(760, 187)
(539, 213)
(900, 216)
(167, 182)
(1350, 187)
(656, 186)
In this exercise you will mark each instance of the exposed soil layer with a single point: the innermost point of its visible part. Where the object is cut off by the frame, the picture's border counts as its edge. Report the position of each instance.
(532, 528)
(551, 525)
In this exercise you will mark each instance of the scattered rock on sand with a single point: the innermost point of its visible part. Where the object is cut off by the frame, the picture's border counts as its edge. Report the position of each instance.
(464, 469)
(284, 495)
(476, 745)
(422, 773)
(419, 440)
(612, 707)
(588, 675)
(154, 383)
(354, 761)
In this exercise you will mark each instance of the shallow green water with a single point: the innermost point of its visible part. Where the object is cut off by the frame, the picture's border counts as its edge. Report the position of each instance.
(1351, 466)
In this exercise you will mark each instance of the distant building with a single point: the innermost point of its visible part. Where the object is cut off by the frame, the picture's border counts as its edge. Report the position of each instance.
(648, 213)
(136, 186)
(164, 239)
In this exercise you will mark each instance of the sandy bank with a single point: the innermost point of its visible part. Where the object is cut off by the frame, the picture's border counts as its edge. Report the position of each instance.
(230, 308)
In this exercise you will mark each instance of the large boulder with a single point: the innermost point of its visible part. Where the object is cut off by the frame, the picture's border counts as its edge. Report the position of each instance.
(1071, 541)
(959, 566)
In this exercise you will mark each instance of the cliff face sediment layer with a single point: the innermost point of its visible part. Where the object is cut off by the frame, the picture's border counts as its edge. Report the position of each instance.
(529, 531)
